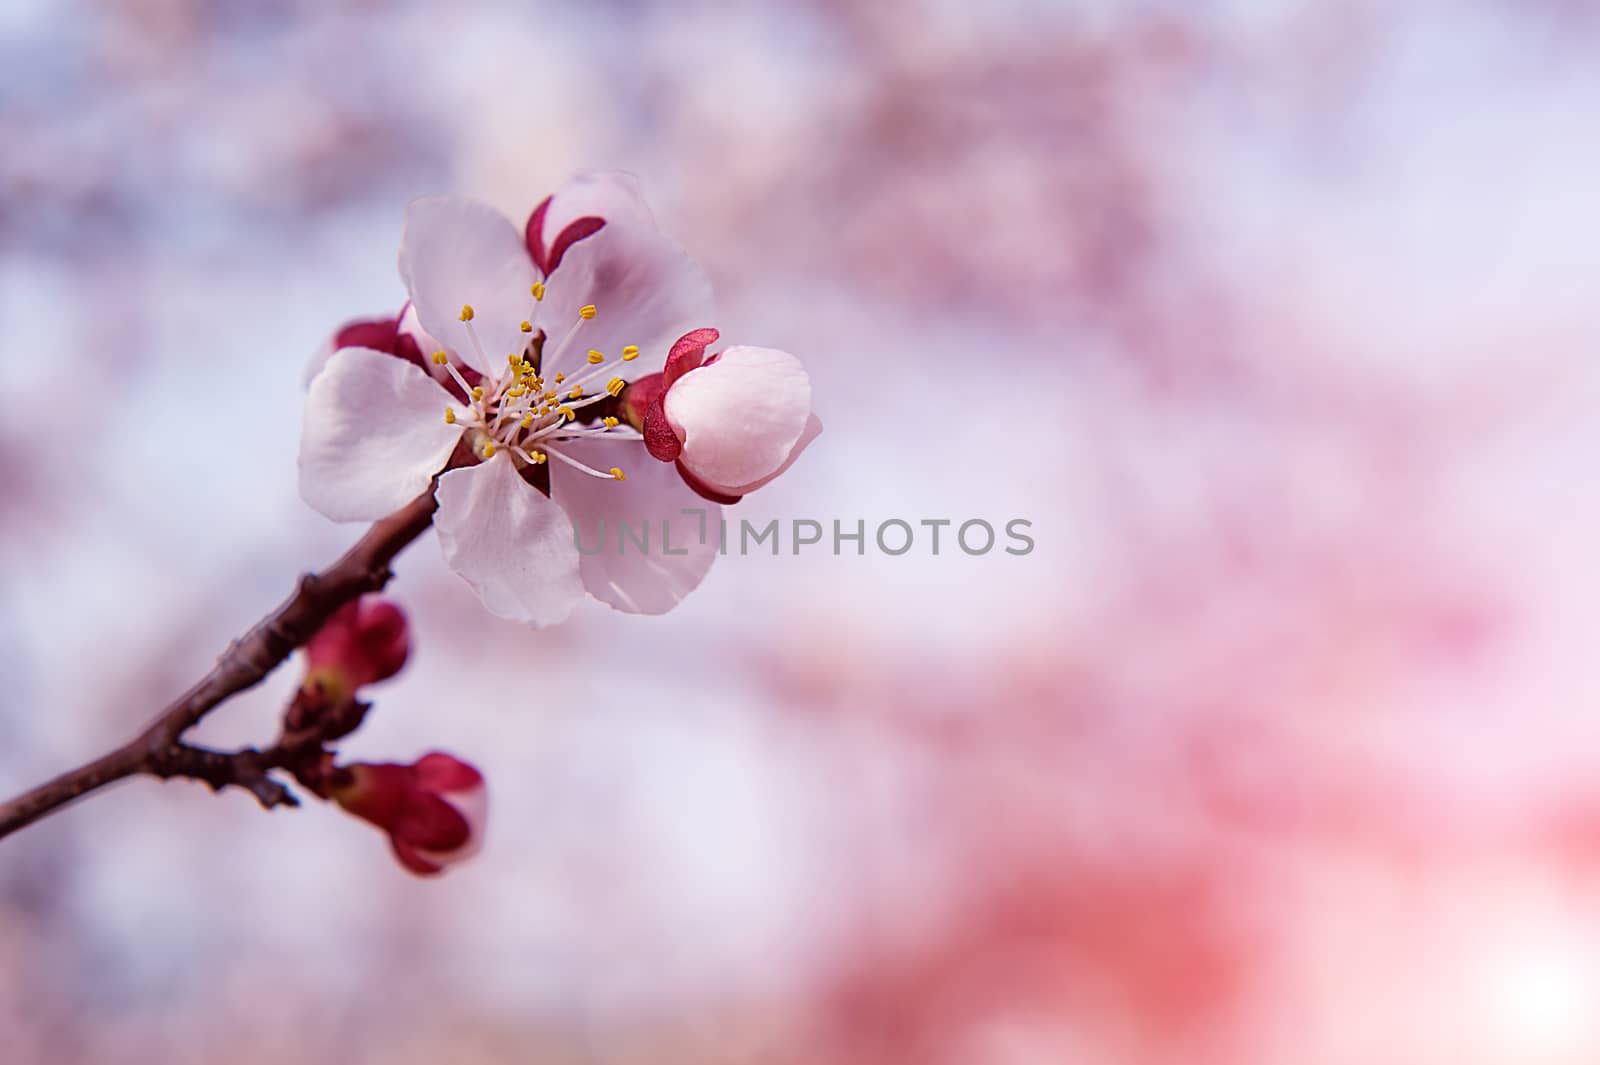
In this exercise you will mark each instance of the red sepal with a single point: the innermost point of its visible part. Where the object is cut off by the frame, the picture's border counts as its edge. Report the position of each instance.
(586, 226)
(533, 234)
(687, 353)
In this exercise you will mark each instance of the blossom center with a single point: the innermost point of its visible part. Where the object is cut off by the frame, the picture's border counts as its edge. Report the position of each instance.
(533, 408)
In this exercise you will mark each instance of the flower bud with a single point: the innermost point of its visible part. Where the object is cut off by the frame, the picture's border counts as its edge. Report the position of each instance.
(732, 421)
(433, 810)
(364, 642)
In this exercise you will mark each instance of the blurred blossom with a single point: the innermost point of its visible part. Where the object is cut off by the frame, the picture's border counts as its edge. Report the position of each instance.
(366, 640)
(433, 810)
(1274, 319)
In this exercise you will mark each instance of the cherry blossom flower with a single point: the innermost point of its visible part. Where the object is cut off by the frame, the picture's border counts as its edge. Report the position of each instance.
(731, 422)
(433, 810)
(530, 338)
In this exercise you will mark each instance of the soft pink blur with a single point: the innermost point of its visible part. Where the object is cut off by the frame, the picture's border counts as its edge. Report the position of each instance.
(1276, 319)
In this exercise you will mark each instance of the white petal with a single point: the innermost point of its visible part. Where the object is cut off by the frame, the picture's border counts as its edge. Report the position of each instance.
(509, 542)
(646, 290)
(411, 326)
(812, 431)
(457, 252)
(610, 194)
(740, 417)
(374, 435)
(651, 503)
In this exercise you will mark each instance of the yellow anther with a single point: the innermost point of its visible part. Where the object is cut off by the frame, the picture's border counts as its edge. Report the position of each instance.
(586, 312)
(449, 415)
(538, 290)
(514, 359)
(477, 393)
(526, 327)
(611, 423)
(576, 393)
(466, 312)
(560, 377)
(616, 471)
(539, 457)
(488, 450)
(440, 358)
(516, 391)
(616, 385)
(527, 420)
(567, 412)
(595, 357)
(630, 353)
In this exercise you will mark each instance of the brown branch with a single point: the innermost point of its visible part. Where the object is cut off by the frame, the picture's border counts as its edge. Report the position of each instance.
(159, 752)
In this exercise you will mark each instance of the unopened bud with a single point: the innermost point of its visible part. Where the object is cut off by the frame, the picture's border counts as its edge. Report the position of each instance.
(433, 810)
(364, 642)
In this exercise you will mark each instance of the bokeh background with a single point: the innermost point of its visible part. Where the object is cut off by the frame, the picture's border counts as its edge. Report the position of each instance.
(1278, 321)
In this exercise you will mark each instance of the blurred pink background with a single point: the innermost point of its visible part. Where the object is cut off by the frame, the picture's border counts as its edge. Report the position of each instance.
(1276, 319)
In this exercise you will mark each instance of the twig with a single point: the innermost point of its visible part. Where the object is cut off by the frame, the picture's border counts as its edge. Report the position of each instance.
(159, 752)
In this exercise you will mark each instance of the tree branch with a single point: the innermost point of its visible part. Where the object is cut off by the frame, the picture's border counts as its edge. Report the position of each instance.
(158, 750)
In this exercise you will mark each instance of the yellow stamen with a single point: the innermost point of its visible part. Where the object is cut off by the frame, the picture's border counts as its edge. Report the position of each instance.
(560, 377)
(527, 420)
(586, 312)
(611, 423)
(539, 457)
(440, 358)
(488, 450)
(449, 415)
(538, 290)
(526, 327)
(516, 391)
(566, 411)
(576, 393)
(616, 471)
(630, 353)
(595, 357)
(616, 385)
(466, 312)
(514, 360)
(477, 393)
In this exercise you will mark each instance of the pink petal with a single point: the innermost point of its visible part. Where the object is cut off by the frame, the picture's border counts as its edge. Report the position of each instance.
(636, 581)
(508, 541)
(411, 334)
(457, 252)
(741, 416)
(612, 195)
(374, 435)
(647, 292)
(812, 431)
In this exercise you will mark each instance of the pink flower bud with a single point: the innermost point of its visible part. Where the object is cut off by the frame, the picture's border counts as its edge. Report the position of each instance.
(364, 642)
(732, 421)
(433, 810)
